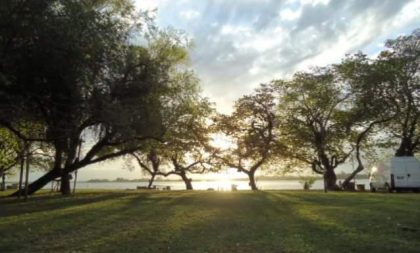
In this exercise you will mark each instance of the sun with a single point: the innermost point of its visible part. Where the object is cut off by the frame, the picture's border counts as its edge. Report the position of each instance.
(224, 179)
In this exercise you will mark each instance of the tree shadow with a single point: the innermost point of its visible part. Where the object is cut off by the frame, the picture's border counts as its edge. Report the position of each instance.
(205, 222)
(51, 202)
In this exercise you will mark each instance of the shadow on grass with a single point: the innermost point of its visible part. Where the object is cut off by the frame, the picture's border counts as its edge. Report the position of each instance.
(51, 202)
(269, 222)
(208, 222)
(356, 223)
(82, 226)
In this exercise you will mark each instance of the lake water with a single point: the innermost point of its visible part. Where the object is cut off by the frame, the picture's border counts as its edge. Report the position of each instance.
(216, 185)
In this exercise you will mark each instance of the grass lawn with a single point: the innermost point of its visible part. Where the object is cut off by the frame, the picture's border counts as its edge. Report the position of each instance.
(198, 221)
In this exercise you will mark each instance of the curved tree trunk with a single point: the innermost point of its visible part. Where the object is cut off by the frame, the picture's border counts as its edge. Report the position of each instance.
(40, 182)
(151, 180)
(352, 175)
(359, 168)
(252, 183)
(187, 181)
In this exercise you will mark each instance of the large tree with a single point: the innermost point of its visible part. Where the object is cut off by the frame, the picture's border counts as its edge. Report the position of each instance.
(369, 108)
(385, 99)
(312, 111)
(72, 67)
(401, 64)
(184, 149)
(252, 131)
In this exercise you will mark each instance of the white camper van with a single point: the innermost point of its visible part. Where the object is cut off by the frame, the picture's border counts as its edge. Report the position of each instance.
(402, 173)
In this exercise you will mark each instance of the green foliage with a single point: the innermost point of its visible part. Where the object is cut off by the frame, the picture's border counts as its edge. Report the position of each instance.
(312, 119)
(328, 113)
(74, 70)
(252, 131)
(365, 115)
(401, 64)
(184, 148)
(9, 151)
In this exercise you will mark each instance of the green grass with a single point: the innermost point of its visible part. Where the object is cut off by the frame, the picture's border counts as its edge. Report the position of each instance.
(271, 221)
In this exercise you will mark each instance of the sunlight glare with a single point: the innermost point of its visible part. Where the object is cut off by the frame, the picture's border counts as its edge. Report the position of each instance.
(221, 141)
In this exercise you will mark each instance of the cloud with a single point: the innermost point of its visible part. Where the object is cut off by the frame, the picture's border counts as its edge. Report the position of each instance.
(314, 2)
(149, 5)
(289, 14)
(241, 43)
(189, 14)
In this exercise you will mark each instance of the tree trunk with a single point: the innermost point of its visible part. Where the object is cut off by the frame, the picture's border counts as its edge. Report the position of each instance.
(74, 182)
(352, 175)
(330, 180)
(187, 181)
(405, 148)
(252, 183)
(40, 182)
(3, 181)
(151, 180)
(359, 168)
(48, 177)
(65, 188)
(27, 174)
(22, 165)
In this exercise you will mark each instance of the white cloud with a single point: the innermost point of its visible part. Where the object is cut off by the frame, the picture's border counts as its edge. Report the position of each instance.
(225, 57)
(147, 4)
(409, 13)
(255, 70)
(289, 14)
(263, 42)
(214, 24)
(314, 2)
(235, 30)
(239, 44)
(362, 31)
(189, 14)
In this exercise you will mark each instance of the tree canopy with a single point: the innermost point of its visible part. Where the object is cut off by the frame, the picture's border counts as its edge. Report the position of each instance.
(72, 68)
(252, 132)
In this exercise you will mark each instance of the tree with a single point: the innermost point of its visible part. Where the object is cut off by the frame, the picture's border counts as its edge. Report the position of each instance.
(364, 78)
(71, 67)
(251, 129)
(170, 162)
(384, 96)
(14, 152)
(149, 162)
(313, 112)
(184, 149)
(401, 64)
(9, 154)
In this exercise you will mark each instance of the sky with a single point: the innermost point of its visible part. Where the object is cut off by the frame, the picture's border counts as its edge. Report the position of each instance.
(239, 44)
(242, 43)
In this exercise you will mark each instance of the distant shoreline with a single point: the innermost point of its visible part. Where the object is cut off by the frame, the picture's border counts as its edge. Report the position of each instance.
(145, 180)
(209, 180)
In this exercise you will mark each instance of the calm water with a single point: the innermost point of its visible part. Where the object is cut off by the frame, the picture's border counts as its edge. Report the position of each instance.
(204, 185)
